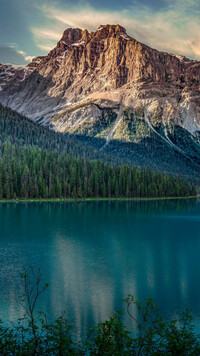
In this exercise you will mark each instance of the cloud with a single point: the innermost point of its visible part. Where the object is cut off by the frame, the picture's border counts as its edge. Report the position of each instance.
(46, 38)
(45, 34)
(22, 53)
(9, 54)
(83, 17)
(175, 28)
(29, 58)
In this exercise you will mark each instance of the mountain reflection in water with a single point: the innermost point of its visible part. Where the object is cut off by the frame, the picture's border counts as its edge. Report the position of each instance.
(94, 254)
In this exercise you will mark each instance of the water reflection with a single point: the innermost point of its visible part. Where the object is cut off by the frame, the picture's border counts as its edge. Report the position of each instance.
(96, 253)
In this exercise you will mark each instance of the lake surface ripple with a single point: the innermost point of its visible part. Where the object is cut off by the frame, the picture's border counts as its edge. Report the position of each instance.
(94, 254)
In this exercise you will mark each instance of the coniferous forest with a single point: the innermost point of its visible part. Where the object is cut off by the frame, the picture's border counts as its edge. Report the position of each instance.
(38, 163)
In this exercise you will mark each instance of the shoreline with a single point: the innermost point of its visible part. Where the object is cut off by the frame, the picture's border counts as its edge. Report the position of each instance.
(57, 200)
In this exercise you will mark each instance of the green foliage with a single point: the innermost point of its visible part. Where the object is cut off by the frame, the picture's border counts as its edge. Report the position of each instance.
(27, 172)
(156, 118)
(150, 151)
(72, 109)
(21, 131)
(110, 338)
(160, 337)
(142, 129)
(34, 335)
(38, 163)
(98, 128)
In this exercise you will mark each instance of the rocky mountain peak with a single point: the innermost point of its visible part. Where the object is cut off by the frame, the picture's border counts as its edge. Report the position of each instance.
(13, 74)
(71, 35)
(111, 29)
(108, 66)
(86, 35)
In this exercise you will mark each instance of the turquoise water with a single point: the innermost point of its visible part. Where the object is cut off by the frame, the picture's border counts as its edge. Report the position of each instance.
(94, 254)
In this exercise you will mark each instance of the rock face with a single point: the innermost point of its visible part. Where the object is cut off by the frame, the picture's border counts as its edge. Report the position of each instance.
(107, 85)
(11, 74)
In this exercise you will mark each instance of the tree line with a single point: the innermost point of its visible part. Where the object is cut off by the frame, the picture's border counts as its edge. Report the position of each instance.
(30, 172)
(21, 131)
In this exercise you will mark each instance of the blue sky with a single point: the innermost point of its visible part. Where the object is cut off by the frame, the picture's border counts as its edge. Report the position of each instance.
(30, 28)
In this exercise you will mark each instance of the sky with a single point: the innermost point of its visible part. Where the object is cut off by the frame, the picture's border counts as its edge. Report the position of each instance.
(29, 28)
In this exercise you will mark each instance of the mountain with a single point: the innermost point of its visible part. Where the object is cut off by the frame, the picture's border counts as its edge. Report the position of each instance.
(118, 95)
(13, 74)
(22, 132)
(36, 162)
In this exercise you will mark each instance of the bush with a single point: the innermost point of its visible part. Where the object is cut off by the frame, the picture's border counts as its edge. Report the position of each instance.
(34, 335)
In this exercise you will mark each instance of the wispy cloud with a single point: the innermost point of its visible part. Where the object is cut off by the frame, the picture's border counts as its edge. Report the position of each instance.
(23, 54)
(45, 34)
(9, 54)
(175, 29)
(46, 38)
(28, 58)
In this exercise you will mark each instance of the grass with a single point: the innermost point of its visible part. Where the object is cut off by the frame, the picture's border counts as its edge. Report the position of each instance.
(58, 200)
(72, 108)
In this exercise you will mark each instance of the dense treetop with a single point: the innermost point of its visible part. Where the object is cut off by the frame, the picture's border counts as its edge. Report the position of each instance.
(27, 172)
(22, 131)
(36, 162)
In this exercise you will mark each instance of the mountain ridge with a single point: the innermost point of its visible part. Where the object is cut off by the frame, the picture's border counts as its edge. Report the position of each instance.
(81, 86)
(127, 62)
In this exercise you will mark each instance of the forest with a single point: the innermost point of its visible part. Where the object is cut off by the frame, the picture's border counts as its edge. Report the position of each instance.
(27, 172)
(21, 131)
(36, 162)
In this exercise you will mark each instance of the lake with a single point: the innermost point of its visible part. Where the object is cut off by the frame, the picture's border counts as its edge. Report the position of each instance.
(93, 254)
